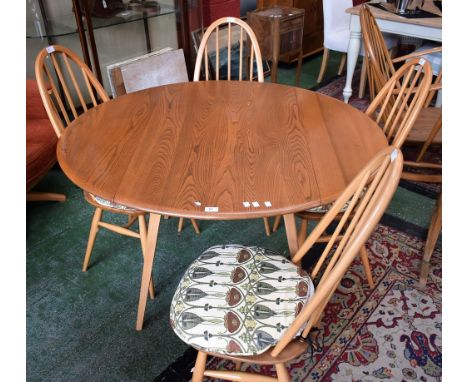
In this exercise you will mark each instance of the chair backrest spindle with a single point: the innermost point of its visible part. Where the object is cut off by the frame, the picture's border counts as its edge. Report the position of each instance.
(366, 199)
(60, 71)
(397, 106)
(234, 34)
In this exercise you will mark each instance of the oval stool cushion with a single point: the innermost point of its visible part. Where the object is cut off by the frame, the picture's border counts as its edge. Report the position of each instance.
(238, 300)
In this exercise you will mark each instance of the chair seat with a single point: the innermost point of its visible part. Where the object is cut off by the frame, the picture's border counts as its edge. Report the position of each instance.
(339, 40)
(424, 124)
(238, 300)
(101, 202)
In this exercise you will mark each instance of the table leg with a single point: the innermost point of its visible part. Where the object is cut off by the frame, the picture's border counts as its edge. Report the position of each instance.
(291, 233)
(354, 48)
(151, 242)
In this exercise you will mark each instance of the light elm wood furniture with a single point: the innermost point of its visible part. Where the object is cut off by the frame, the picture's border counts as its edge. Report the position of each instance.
(426, 129)
(279, 32)
(425, 28)
(365, 200)
(381, 68)
(218, 150)
(229, 34)
(59, 73)
(426, 171)
(164, 67)
(237, 33)
(396, 109)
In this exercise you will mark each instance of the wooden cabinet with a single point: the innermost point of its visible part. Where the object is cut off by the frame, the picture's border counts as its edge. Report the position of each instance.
(279, 31)
(313, 24)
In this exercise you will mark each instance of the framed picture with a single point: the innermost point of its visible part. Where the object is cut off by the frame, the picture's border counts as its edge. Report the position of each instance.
(197, 36)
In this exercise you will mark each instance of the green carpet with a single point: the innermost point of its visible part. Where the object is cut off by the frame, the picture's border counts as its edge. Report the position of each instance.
(80, 326)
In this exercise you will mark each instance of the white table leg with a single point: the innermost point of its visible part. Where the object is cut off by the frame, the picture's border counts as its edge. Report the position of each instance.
(354, 48)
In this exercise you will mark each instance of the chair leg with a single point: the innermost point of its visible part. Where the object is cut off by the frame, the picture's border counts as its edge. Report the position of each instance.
(363, 80)
(323, 68)
(277, 223)
(92, 237)
(238, 365)
(282, 373)
(367, 268)
(143, 234)
(267, 226)
(195, 226)
(131, 219)
(199, 368)
(342, 64)
(432, 235)
(302, 232)
(181, 225)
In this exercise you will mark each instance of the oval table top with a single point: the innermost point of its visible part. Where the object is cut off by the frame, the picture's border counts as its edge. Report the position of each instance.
(203, 149)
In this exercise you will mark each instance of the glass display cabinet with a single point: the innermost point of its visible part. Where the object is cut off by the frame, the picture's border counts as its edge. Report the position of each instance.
(109, 31)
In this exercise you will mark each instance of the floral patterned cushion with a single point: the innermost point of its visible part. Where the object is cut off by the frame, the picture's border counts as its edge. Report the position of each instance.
(238, 300)
(107, 203)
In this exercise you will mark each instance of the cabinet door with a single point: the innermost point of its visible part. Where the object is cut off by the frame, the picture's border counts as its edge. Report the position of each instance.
(313, 25)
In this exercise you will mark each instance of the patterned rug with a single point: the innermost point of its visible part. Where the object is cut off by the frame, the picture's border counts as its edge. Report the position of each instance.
(334, 88)
(391, 333)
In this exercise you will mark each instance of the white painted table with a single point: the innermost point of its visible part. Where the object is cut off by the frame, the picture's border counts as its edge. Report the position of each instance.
(427, 28)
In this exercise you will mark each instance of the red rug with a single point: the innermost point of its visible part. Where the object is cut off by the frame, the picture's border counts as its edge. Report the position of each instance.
(391, 333)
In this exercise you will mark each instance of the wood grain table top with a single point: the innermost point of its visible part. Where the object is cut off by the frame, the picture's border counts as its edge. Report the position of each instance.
(202, 149)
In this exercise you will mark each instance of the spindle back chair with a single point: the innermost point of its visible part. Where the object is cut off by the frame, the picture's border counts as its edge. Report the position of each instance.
(398, 104)
(397, 108)
(61, 76)
(381, 65)
(245, 37)
(366, 198)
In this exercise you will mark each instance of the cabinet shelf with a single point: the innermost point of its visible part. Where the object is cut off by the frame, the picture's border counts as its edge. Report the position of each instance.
(66, 25)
